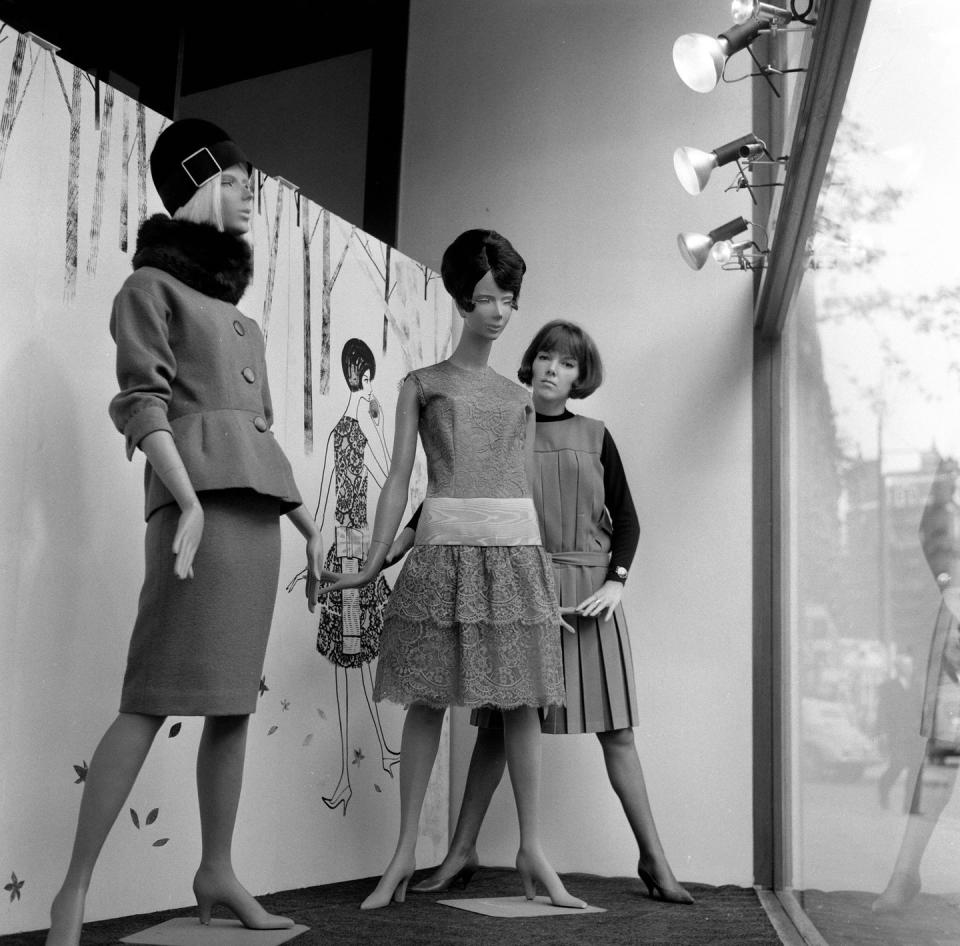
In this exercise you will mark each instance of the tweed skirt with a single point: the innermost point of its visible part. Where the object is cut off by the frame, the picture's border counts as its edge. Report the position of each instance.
(597, 661)
(198, 644)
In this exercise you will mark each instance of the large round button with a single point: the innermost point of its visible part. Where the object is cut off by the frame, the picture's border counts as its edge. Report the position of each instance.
(249, 375)
(260, 423)
(238, 327)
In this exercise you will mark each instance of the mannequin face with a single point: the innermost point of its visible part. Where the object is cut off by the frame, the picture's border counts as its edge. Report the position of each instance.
(492, 309)
(236, 200)
(553, 376)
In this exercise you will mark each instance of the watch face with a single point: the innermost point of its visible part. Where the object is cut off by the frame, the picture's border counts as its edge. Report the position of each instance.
(621, 572)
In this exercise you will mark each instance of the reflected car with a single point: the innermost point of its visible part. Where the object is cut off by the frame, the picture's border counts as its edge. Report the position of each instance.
(832, 745)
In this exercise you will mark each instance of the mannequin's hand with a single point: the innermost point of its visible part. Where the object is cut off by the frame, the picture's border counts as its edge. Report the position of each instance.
(338, 581)
(564, 624)
(605, 598)
(314, 569)
(951, 600)
(187, 540)
(401, 545)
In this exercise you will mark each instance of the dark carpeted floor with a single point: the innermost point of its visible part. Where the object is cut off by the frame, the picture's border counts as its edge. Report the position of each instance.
(722, 916)
(844, 918)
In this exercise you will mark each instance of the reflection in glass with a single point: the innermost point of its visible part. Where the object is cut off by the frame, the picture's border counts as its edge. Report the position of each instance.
(873, 445)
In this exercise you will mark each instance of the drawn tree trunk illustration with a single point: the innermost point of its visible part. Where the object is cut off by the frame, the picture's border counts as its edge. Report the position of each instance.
(307, 347)
(124, 178)
(103, 156)
(141, 165)
(274, 244)
(329, 278)
(73, 192)
(10, 104)
(386, 292)
(428, 276)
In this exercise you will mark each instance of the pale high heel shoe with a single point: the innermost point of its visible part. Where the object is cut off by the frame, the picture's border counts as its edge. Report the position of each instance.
(670, 893)
(392, 886)
(901, 889)
(533, 868)
(441, 879)
(232, 895)
(66, 919)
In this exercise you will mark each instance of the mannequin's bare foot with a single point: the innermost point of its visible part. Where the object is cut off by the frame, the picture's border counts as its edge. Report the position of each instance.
(901, 889)
(66, 917)
(212, 888)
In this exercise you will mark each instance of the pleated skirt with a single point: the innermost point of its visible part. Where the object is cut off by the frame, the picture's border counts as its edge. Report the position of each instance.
(198, 644)
(597, 660)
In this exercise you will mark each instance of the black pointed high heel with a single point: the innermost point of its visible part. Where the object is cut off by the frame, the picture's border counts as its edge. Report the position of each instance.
(461, 878)
(667, 894)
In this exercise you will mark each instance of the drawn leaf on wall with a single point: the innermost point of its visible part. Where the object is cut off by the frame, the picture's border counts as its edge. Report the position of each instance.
(135, 818)
(81, 771)
(271, 730)
(263, 685)
(358, 756)
(152, 816)
(13, 888)
(308, 739)
(174, 730)
(377, 788)
(321, 713)
(160, 842)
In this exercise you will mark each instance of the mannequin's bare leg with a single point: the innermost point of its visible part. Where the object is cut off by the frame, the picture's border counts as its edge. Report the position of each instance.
(521, 737)
(626, 777)
(934, 786)
(487, 764)
(113, 770)
(418, 752)
(219, 780)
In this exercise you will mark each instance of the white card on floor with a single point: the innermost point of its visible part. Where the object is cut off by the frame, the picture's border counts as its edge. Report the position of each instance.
(189, 931)
(517, 907)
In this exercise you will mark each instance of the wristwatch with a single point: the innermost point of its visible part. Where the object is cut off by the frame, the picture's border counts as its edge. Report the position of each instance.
(621, 573)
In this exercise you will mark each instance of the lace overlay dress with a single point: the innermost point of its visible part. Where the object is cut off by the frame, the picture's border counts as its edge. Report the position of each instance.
(472, 625)
(351, 621)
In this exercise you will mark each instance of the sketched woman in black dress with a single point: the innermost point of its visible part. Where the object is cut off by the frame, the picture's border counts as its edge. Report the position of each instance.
(351, 621)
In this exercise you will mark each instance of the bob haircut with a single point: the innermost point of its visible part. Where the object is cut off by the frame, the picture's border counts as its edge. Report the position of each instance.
(471, 256)
(566, 338)
(356, 358)
(205, 205)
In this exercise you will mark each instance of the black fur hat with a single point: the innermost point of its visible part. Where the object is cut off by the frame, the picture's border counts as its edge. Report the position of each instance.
(187, 154)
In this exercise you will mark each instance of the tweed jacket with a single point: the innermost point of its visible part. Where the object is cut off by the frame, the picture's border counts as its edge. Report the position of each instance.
(194, 365)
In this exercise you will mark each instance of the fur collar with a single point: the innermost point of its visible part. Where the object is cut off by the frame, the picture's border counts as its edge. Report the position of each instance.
(198, 254)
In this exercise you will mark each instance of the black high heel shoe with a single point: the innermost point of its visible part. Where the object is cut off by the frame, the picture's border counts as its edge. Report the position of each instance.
(437, 883)
(668, 894)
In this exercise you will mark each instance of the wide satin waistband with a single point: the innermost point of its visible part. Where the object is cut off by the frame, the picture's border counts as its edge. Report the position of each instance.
(580, 558)
(478, 521)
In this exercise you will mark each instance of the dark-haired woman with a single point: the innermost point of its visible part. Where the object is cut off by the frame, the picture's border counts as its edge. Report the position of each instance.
(473, 619)
(194, 398)
(590, 529)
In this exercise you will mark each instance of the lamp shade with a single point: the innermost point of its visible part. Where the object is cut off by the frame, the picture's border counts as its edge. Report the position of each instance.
(695, 247)
(699, 59)
(694, 166)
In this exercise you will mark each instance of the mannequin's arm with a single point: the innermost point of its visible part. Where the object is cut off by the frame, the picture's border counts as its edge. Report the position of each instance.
(308, 528)
(163, 456)
(393, 496)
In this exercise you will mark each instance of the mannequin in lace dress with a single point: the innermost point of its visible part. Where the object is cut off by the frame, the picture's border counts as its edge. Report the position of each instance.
(473, 618)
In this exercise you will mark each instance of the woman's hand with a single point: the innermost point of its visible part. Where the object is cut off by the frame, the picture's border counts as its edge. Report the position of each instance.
(314, 568)
(187, 539)
(605, 598)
